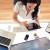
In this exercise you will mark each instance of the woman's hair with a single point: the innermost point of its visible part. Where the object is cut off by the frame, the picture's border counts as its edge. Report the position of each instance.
(36, 9)
(29, 1)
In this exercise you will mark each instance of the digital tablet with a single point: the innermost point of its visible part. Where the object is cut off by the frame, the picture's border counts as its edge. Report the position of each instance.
(33, 26)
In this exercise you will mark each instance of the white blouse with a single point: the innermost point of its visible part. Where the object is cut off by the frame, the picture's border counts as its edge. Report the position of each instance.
(19, 7)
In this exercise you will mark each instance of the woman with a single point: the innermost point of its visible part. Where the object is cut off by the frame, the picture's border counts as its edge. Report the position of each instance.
(27, 9)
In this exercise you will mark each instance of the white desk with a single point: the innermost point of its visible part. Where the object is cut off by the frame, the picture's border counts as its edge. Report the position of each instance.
(20, 35)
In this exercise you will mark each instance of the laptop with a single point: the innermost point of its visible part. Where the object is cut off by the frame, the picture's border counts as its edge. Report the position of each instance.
(37, 44)
(6, 39)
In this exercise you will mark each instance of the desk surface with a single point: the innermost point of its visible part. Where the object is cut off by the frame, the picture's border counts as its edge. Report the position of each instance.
(8, 26)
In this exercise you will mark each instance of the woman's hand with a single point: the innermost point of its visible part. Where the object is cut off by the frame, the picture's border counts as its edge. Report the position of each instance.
(24, 23)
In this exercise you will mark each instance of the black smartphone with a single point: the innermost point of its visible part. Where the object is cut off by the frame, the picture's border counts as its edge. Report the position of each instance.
(26, 37)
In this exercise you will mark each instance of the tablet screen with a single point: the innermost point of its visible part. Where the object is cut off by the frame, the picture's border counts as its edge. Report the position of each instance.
(33, 26)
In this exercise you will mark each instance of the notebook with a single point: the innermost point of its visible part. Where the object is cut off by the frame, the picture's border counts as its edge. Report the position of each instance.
(20, 29)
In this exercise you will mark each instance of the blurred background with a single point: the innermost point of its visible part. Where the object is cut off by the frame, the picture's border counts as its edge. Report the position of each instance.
(6, 10)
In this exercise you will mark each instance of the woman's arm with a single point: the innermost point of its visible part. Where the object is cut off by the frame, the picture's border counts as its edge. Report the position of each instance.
(16, 12)
(15, 17)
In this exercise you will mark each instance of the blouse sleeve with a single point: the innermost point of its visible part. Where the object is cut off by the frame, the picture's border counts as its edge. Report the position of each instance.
(17, 7)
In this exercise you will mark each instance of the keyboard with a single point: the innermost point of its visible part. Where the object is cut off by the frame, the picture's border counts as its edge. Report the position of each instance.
(4, 40)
